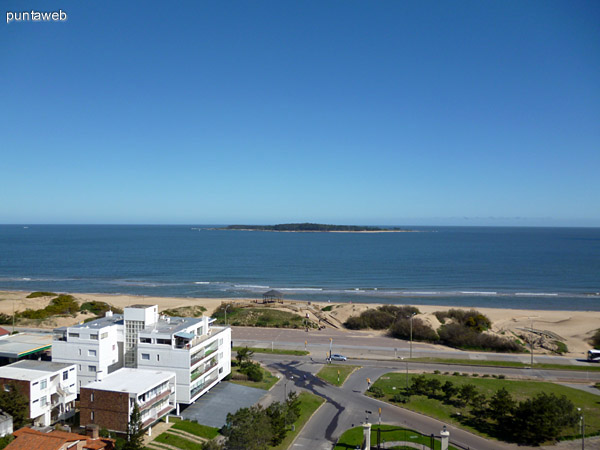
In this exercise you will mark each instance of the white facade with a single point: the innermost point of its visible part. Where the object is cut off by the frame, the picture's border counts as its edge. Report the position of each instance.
(51, 388)
(198, 353)
(95, 347)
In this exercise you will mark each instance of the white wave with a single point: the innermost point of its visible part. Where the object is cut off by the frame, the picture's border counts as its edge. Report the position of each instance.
(537, 294)
(421, 292)
(201, 282)
(301, 289)
(478, 293)
(250, 286)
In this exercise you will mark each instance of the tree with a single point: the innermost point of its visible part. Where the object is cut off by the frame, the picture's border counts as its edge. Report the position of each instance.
(293, 409)
(466, 393)
(135, 433)
(244, 356)
(449, 391)
(501, 407)
(276, 412)
(543, 417)
(16, 404)
(248, 429)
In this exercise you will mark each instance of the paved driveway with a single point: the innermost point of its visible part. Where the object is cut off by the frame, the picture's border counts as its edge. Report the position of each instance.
(212, 408)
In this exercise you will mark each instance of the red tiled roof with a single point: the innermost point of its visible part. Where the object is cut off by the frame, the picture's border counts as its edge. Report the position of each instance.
(28, 439)
(4, 331)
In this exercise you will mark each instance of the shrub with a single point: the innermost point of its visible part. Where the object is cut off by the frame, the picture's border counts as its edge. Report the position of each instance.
(561, 347)
(380, 318)
(376, 391)
(355, 323)
(472, 318)
(421, 331)
(41, 294)
(327, 308)
(458, 336)
(99, 308)
(400, 398)
(596, 339)
(253, 371)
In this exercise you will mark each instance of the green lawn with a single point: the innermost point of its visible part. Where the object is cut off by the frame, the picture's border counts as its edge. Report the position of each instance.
(267, 382)
(309, 403)
(329, 373)
(177, 441)
(354, 436)
(520, 390)
(471, 362)
(260, 317)
(275, 351)
(196, 429)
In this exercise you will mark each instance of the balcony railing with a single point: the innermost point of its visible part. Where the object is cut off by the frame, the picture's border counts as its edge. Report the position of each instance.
(206, 369)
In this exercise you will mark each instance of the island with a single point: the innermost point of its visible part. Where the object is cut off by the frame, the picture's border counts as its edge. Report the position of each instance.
(314, 227)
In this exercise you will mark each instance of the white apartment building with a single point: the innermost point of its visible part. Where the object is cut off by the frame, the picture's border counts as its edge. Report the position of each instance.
(196, 351)
(49, 386)
(95, 347)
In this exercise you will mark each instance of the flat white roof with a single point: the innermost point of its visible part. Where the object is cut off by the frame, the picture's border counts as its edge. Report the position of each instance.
(133, 381)
(22, 344)
(29, 370)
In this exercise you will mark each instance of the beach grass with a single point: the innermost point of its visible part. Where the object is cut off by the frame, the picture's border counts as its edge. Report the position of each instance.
(260, 317)
(390, 433)
(495, 363)
(274, 351)
(329, 373)
(309, 403)
(393, 383)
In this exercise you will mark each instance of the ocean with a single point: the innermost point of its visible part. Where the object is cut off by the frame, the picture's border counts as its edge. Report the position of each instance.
(526, 268)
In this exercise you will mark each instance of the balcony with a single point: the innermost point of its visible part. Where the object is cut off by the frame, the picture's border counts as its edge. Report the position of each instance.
(154, 400)
(207, 367)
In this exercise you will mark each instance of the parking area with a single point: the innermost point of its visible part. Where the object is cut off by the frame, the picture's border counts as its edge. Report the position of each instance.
(212, 408)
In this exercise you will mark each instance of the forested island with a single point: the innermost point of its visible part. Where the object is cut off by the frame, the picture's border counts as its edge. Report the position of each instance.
(312, 227)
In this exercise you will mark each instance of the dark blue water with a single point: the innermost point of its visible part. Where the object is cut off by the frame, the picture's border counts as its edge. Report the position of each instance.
(538, 268)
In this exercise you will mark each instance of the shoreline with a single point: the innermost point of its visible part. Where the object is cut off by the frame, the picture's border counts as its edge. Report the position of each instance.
(575, 327)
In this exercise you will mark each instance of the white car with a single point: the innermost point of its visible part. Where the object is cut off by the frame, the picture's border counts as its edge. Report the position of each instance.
(336, 357)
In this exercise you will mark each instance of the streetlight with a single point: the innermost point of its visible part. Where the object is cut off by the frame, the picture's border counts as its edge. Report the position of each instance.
(402, 358)
(330, 345)
(411, 318)
(531, 339)
(226, 306)
(582, 420)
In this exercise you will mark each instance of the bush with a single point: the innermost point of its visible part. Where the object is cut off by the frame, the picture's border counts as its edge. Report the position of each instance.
(459, 336)
(5, 319)
(472, 319)
(400, 398)
(99, 308)
(421, 331)
(596, 339)
(380, 318)
(41, 294)
(327, 308)
(253, 371)
(561, 347)
(376, 391)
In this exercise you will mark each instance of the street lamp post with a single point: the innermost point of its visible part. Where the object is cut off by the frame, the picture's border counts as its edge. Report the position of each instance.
(411, 326)
(582, 421)
(226, 306)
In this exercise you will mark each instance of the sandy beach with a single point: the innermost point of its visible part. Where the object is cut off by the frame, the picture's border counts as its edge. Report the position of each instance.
(575, 327)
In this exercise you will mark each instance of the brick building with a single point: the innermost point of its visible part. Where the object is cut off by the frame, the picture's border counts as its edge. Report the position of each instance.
(109, 402)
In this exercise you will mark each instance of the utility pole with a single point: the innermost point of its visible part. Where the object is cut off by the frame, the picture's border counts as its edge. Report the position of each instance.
(411, 326)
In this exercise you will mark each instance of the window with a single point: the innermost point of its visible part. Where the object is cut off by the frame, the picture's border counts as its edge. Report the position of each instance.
(36, 383)
(6, 388)
(164, 341)
(92, 415)
(65, 374)
(91, 352)
(114, 347)
(92, 397)
(220, 342)
(145, 340)
(103, 335)
(74, 335)
(43, 401)
(79, 352)
(146, 356)
(94, 337)
(80, 367)
(158, 357)
(92, 368)
(220, 370)
(71, 369)
(43, 384)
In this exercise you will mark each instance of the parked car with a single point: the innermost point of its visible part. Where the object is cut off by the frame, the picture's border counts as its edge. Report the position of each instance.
(336, 357)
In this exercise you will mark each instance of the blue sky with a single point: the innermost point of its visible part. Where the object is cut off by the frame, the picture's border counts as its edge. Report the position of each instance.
(358, 112)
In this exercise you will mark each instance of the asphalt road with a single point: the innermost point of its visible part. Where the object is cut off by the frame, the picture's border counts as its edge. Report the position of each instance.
(346, 407)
